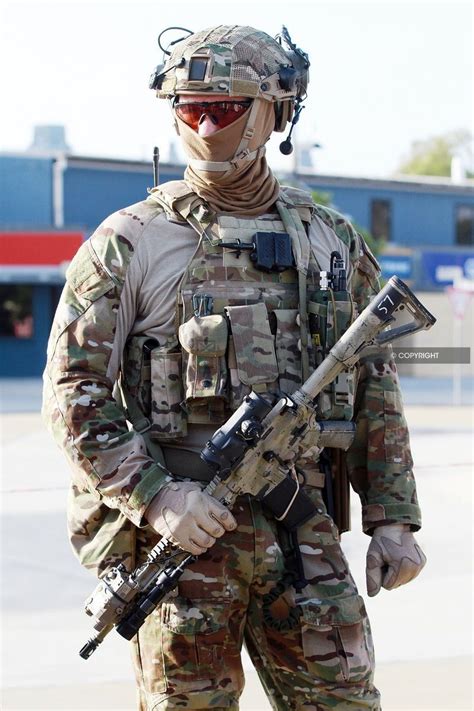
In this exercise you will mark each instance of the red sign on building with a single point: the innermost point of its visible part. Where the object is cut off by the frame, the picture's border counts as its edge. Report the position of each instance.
(38, 248)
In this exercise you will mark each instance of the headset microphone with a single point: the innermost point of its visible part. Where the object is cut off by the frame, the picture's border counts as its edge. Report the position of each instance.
(286, 146)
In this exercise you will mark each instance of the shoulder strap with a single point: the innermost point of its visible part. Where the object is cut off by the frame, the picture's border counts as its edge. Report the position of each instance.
(181, 202)
(301, 200)
(176, 197)
(140, 422)
(302, 249)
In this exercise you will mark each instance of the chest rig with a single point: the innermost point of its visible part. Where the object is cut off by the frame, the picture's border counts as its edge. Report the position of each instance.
(250, 315)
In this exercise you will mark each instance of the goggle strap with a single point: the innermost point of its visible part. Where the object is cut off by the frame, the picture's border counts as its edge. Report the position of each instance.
(242, 153)
(249, 129)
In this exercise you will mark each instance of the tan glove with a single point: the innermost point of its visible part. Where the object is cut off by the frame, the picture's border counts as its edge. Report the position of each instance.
(185, 514)
(393, 559)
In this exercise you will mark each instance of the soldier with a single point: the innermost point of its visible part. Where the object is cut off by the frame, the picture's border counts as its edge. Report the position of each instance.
(172, 311)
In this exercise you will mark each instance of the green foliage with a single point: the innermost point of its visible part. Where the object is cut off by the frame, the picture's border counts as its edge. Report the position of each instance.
(433, 156)
(376, 246)
(322, 198)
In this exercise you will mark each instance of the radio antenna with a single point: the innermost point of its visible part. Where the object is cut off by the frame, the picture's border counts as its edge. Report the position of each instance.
(156, 166)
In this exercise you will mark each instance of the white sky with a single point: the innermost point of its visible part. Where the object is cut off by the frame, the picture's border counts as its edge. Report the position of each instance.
(383, 73)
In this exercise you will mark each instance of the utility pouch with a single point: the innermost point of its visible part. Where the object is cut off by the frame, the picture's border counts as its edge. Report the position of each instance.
(340, 316)
(289, 504)
(136, 374)
(253, 346)
(167, 415)
(287, 334)
(204, 341)
(330, 315)
(317, 317)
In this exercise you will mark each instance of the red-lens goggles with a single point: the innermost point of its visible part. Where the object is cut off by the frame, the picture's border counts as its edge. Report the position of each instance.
(221, 113)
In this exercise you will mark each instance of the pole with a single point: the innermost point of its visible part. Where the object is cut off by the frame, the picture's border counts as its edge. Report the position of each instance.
(457, 372)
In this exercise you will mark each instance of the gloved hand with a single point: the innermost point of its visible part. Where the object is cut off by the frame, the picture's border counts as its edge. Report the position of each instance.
(185, 514)
(393, 559)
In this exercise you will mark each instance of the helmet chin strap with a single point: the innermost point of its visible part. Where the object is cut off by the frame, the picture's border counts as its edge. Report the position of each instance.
(241, 155)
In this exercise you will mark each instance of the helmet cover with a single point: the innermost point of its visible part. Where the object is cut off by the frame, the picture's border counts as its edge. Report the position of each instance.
(233, 60)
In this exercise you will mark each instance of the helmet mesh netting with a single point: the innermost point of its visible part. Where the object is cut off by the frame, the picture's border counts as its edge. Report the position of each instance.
(254, 54)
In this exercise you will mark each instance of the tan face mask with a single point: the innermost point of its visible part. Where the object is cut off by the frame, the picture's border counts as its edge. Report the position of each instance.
(245, 187)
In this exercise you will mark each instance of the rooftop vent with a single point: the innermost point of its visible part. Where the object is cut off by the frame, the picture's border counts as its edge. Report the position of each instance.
(49, 139)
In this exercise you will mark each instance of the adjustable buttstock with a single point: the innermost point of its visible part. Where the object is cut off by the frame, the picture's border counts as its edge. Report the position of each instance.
(394, 296)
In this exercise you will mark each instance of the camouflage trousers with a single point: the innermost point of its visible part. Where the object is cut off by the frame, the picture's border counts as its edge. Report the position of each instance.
(312, 650)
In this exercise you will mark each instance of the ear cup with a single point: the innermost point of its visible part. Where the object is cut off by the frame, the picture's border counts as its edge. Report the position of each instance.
(283, 114)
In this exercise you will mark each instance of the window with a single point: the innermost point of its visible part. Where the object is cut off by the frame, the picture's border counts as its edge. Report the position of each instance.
(16, 310)
(380, 219)
(465, 225)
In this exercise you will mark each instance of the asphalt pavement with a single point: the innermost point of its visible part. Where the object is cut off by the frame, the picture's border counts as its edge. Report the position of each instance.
(422, 632)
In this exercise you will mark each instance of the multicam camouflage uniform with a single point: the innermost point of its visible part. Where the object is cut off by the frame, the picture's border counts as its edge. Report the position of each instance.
(312, 650)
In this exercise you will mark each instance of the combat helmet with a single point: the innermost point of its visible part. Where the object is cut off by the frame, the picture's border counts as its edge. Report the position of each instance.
(238, 61)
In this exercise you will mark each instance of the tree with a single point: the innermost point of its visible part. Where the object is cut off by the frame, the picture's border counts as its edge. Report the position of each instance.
(433, 156)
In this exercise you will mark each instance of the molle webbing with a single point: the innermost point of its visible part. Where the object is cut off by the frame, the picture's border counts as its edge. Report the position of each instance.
(268, 340)
(237, 287)
(301, 251)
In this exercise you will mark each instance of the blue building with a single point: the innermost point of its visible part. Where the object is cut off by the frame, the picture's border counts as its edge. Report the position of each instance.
(426, 223)
(59, 191)
(49, 203)
(407, 212)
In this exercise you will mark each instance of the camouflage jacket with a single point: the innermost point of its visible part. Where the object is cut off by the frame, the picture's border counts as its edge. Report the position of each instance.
(108, 297)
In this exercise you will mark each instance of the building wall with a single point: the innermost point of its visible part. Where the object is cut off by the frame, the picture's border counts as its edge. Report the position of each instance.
(26, 192)
(419, 216)
(91, 193)
(422, 213)
(26, 357)
(423, 227)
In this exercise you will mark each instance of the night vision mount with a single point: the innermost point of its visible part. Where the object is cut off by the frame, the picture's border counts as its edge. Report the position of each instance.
(156, 79)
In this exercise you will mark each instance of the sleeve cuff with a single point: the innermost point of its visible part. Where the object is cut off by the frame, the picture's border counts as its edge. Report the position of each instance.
(151, 482)
(374, 515)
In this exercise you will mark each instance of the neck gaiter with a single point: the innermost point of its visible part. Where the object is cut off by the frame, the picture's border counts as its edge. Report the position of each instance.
(249, 188)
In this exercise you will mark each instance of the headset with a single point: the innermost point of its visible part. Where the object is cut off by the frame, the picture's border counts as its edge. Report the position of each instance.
(298, 74)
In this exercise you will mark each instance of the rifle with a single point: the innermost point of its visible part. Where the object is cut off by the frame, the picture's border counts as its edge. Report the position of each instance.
(255, 452)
